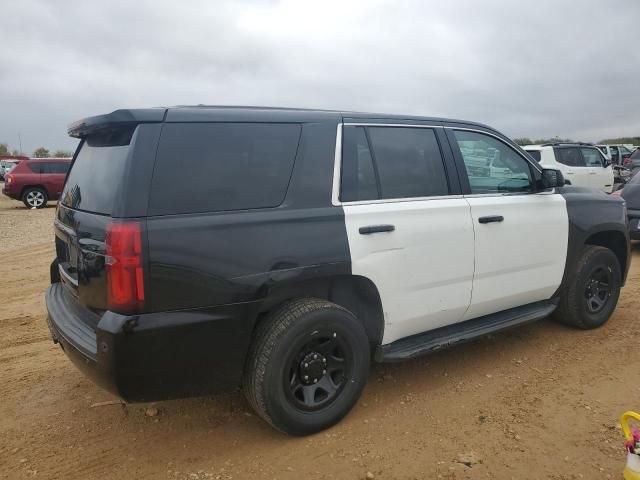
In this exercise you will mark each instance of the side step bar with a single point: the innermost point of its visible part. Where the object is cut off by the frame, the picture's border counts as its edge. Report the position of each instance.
(449, 335)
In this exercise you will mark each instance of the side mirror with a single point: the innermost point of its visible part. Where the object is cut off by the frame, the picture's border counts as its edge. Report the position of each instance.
(552, 178)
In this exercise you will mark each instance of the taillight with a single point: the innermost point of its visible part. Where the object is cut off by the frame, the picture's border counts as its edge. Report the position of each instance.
(125, 275)
(9, 179)
(627, 161)
(617, 193)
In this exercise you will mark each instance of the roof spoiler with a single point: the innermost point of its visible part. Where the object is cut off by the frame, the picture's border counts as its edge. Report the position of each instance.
(115, 119)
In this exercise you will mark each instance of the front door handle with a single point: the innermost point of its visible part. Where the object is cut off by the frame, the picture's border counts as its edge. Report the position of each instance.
(491, 219)
(376, 229)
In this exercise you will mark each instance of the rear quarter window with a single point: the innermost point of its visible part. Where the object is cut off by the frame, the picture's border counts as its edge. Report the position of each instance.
(208, 167)
(33, 167)
(535, 154)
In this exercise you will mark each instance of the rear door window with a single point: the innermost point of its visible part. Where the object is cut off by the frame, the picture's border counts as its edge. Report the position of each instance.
(390, 163)
(54, 167)
(359, 180)
(207, 167)
(569, 156)
(97, 171)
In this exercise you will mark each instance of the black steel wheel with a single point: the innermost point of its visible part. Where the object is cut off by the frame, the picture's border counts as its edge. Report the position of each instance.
(307, 366)
(592, 291)
(598, 289)
(318, 372)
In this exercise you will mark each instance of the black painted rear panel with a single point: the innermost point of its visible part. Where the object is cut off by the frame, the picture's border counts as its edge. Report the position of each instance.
(198, 260)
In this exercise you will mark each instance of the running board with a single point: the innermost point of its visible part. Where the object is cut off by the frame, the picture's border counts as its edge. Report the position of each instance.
(449, 335)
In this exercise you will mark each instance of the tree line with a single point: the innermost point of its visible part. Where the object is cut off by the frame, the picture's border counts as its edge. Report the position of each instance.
(40, 152)
(609, 141)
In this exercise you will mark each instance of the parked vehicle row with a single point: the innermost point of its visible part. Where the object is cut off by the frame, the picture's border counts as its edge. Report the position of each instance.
(581, 164)
(617, 154)
(36, 181)
(7, 163)
(631, 194)
(295, 246)
(633, 162)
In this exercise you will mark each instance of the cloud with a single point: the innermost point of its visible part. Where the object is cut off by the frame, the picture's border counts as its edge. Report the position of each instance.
(527, 68)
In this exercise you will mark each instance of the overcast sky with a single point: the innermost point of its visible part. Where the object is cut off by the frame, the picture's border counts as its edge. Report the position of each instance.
(554, 67)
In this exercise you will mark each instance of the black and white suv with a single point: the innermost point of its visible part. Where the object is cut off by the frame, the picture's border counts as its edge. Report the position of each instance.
(294, 246)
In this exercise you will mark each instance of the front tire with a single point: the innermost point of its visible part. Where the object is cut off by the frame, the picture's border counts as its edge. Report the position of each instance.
(307, 366)
(592, 295)
(35, 197)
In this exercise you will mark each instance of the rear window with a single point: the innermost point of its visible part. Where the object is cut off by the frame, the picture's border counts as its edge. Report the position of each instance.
(207, 167)
(535, 154)
(94, 175)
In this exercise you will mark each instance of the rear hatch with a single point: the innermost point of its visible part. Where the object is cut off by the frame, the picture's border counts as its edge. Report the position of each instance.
(84, 215)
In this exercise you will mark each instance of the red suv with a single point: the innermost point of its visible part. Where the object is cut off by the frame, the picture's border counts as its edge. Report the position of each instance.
(36, 181)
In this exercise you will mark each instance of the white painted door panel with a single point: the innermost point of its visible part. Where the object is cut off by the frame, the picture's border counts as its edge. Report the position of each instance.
(423, 269)
(578, 176)
(603, 178)
(521, 259)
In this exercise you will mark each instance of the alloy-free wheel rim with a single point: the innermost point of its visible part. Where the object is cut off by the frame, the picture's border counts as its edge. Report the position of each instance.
(35, 199)
(598, 289)
(318, 372)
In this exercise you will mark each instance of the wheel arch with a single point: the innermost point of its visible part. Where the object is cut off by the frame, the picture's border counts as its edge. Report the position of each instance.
(615, 241)
(356, 293)
(27, 187)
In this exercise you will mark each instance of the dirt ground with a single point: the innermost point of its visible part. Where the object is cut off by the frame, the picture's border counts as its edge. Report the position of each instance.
(542, 401)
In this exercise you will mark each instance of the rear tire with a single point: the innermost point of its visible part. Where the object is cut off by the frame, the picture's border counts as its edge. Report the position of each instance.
(593, 291)
(35, 197)
(307, 366)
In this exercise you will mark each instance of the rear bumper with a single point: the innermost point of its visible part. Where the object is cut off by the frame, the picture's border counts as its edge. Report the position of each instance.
(154, 356)
(10, 192)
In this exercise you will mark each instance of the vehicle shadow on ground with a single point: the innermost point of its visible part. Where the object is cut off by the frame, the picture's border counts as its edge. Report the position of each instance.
(388, 384)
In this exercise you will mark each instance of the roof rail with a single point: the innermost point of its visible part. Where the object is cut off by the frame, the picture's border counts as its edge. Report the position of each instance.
(556, 144)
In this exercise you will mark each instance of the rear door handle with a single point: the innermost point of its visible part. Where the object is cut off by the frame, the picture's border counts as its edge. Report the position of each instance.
(376, 229)
(491, 219)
